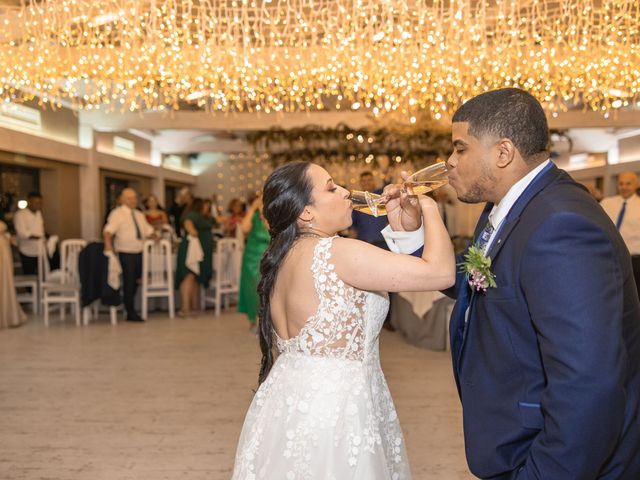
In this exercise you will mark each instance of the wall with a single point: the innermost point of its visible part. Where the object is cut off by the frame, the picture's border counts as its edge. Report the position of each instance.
(59, 186)
(73, 173)
(629, 149)
(230, 176)
(60, 125)
(142, 147)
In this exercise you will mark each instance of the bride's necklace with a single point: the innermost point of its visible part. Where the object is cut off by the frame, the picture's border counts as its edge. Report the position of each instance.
(312, 234)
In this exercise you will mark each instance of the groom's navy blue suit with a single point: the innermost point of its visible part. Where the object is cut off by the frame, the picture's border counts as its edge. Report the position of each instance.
(548, 363)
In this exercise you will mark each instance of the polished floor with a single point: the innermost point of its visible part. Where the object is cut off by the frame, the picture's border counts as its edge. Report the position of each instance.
(165, 400)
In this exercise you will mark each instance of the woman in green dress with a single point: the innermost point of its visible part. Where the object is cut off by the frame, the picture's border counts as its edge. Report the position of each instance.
(255, 227)
(196, 224)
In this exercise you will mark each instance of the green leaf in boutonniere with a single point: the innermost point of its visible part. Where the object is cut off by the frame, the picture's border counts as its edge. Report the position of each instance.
(478, 267)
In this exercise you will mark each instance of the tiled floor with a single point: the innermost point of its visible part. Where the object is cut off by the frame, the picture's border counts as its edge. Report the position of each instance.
(166, 400)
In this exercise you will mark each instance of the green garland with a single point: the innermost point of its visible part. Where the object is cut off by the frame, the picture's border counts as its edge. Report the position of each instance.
(342, 144)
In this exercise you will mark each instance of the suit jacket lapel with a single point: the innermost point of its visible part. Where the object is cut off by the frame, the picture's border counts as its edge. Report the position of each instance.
(544, 178)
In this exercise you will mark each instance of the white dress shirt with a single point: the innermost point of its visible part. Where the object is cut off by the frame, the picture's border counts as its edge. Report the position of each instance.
(409, 242)
(120, 224)
(28, 223)
(630, 227)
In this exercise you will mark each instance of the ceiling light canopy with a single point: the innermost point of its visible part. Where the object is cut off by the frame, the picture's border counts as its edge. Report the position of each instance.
(292, 55)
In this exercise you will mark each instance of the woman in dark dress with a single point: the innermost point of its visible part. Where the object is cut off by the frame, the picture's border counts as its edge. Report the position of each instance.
(196, 224)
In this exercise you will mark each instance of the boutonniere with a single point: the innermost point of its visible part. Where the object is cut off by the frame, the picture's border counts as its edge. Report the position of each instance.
(478, 267)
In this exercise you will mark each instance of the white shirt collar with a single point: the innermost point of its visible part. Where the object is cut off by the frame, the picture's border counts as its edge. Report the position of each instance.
(501, 209)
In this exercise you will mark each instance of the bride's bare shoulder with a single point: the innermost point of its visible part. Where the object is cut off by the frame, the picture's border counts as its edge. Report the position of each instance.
(344, 245)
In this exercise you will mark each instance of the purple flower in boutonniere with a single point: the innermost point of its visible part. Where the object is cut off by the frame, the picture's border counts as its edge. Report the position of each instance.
(478, 267)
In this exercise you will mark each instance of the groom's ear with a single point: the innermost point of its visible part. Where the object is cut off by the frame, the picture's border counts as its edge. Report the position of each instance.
(507, 152)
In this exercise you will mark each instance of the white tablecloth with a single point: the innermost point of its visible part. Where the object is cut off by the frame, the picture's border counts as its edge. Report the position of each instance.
(421, 302)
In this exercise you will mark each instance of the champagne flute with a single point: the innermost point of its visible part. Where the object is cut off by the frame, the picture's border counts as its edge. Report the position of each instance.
(427, 180)
(421, 182)
(367, 202)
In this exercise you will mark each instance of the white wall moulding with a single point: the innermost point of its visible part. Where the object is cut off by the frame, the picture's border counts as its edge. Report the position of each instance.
(13, 114)
(41, 146)
(124, 146)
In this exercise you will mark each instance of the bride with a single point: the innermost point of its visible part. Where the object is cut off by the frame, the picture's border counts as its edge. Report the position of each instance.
(323, 409)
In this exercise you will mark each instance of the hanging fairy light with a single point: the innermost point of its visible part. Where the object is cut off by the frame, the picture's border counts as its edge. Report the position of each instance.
(300, 55)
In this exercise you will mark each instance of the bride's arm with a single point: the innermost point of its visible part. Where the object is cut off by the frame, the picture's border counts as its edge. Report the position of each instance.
(370, 268)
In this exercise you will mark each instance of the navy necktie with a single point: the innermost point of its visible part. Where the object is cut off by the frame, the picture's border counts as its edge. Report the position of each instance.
(138, 234)
(485, 235)
(621, 215)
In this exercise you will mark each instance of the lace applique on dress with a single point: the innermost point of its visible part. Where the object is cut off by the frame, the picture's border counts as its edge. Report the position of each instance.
(337, 328)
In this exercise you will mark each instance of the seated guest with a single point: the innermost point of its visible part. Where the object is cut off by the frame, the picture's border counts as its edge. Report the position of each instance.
(11, 314)
(154, 213)
(197, 228)
(130, 228)
(29, 226)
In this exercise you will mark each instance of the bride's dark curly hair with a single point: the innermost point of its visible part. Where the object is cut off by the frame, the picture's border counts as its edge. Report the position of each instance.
(286, 192)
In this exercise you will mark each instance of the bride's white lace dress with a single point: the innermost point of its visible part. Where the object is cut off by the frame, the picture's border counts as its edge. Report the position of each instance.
(325, 411)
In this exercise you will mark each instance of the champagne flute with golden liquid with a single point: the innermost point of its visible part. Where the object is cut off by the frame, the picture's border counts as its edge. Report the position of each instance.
(423, 181)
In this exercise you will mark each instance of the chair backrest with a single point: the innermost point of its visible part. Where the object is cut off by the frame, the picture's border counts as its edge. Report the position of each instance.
(44, 270)
(240, 236)
(69, 252)
(157, 264)
(227, 263)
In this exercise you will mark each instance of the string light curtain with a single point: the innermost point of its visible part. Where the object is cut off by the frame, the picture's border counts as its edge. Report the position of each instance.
(289, 55)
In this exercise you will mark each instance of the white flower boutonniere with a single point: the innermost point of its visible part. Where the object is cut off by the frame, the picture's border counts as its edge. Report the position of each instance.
(478, 266)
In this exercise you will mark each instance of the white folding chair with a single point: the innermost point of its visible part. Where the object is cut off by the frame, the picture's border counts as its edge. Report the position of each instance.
(157, 274)
(66, 287)
(30, 282)
(227, 262)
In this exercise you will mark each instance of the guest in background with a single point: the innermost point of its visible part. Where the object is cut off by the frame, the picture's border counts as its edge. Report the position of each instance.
(256, 231)
(206, 210)
(154, 213)
(29, 226)
(367, 227)
(197, 228)
(177, 211)
(130, 228)
(624, 211)
(11, 314)
(216, 208)
(236, 213)
(594, 191)
(6, 210)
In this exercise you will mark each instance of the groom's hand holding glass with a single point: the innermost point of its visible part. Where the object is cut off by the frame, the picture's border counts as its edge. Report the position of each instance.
(403, 208)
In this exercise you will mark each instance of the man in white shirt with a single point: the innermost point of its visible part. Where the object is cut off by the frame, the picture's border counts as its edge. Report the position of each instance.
(29, 226)
(130, 229)
(624, 211)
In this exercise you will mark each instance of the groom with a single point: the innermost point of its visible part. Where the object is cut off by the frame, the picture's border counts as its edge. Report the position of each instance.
(547, 363)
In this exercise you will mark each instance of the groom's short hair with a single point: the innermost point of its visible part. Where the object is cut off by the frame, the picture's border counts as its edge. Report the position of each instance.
(508, 113)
